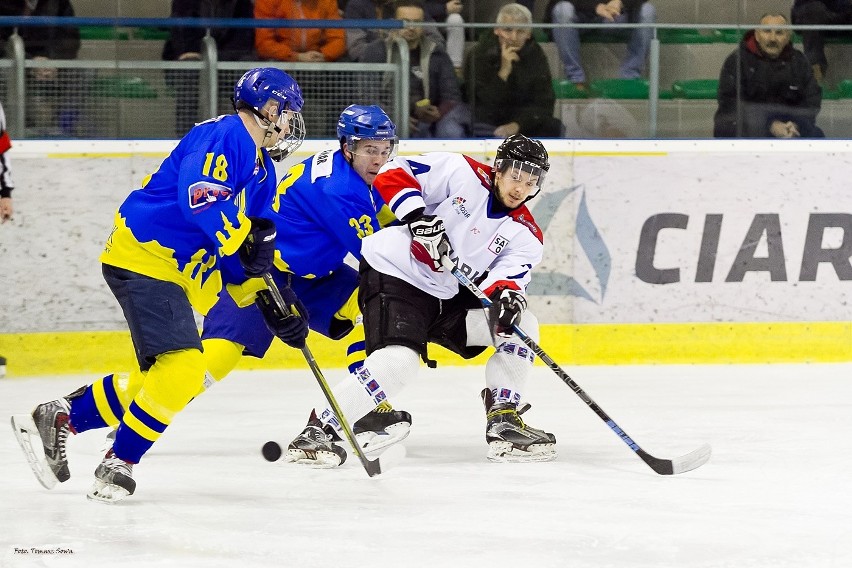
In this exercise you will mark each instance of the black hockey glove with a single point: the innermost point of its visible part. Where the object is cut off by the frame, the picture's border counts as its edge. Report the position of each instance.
(291, 328)
(507, 306)
(429, 241)
(258, 250)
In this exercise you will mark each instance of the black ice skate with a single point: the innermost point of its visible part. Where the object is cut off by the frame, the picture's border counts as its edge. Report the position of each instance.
(509, 439)
(113, 480)
(46, 428)
(315, 446)
(381, 428)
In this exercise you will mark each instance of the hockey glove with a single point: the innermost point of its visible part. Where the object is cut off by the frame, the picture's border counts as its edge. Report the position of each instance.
(258, 250)
(429, 241)
(291, 328)
(507, 306)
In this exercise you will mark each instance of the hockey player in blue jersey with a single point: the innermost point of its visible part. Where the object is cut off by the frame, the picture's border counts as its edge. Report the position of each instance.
(196, 225)
(323, 208)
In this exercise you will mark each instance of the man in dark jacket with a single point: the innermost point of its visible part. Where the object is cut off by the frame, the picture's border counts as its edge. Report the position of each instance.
(601, 12)
(53, 95)
(184, 44)
(777, 95)
(508, 81)
(817, 13)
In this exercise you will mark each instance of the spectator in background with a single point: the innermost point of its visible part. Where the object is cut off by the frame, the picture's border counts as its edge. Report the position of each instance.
(6, 185)
(309, 45)
(777, 95)
(508, 81)
(598, 12)
(53, 95)
(184, 44)
(815, 13)
(436, 106)
(368, 45)
(325, 91)
(450, 12)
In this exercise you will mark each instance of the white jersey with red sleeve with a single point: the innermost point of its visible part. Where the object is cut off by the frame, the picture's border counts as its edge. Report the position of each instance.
(483, 236)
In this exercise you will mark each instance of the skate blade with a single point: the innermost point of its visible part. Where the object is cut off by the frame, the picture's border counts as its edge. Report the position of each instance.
(375, 444)
(505, 452)
(25, 432)
(317, 460)
(109, 493)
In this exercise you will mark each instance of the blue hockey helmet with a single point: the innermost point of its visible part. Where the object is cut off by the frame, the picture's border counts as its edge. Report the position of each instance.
(366, 122)
(260, 84)
(254, 89)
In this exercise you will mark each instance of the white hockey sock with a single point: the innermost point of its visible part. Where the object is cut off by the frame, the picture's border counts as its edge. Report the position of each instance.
(383, 375)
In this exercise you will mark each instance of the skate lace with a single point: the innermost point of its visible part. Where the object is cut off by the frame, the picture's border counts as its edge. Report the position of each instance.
(62, 437)
(118, 465)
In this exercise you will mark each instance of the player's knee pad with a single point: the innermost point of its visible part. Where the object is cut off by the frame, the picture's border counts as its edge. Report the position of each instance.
(479, 330)
(171, 383)
(221, 356)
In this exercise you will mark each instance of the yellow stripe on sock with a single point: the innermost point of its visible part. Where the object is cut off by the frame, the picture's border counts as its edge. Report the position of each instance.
(102, 403)
(137, 426)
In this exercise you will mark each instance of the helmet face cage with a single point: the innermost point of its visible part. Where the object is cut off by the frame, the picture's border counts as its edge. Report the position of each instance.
(260, 85)
(291, 141)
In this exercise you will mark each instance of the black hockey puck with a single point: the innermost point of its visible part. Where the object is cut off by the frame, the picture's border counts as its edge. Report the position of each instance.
(271, 451)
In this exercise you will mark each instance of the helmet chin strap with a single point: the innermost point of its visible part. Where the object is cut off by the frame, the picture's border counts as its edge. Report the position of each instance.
(271, 128)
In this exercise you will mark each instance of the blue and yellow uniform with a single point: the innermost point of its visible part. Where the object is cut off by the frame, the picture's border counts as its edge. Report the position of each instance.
(182, 228)
(322, 210)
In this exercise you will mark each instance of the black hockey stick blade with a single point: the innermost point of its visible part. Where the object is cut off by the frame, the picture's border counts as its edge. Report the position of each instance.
(372, 467)
(688, 462)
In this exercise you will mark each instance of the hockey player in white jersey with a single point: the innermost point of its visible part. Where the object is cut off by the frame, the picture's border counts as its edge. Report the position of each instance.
(450, 204)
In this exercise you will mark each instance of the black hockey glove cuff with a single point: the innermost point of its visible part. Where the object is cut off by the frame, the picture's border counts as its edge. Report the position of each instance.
(291, 328)
(258, 250)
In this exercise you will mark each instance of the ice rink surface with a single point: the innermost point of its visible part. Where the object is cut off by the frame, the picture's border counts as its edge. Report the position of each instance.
(777, 492)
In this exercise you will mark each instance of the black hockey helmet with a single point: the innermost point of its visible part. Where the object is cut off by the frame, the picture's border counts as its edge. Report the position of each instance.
(521, 154)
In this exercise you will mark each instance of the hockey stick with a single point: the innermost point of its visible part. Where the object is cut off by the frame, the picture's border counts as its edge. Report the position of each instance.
(373, 467)
(687, 462)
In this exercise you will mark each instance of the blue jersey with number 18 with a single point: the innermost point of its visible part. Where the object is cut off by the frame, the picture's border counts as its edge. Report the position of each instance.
(192, 213)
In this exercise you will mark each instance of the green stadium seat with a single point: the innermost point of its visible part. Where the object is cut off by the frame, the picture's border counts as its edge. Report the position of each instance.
(623, 89)
(151, 33)
(695, 89)
(683, 36)
(103, 32)
(844, 89)
(123, 87)
(565, 89)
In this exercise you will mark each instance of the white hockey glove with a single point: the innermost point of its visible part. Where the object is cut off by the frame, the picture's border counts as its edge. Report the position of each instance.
(507, 307)
(429, 241)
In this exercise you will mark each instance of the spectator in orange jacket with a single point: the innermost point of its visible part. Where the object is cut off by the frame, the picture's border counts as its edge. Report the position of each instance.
(299, 44)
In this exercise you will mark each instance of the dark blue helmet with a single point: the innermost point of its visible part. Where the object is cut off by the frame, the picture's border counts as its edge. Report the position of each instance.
(365, 122)
(255, 89)
(263, 83)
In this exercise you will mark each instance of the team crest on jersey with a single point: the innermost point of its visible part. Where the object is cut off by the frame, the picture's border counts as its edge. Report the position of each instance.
(203, 193)
(498, 243)
(458, 205)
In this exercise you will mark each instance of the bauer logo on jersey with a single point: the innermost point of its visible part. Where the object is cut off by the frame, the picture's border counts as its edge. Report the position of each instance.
(498, 244)
(203, 193)
(458, 205)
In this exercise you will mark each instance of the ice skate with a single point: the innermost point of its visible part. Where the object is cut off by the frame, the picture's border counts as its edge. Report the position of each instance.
(509, 439)
(113, 480)
(381, 428)
(43, 436)
(316, 447)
